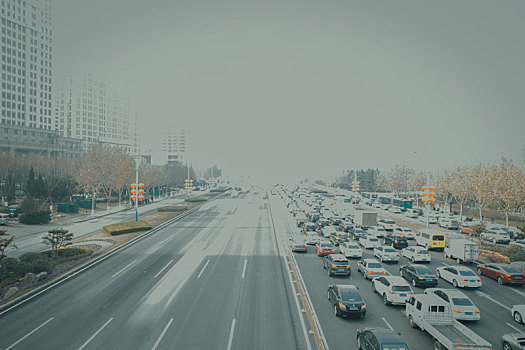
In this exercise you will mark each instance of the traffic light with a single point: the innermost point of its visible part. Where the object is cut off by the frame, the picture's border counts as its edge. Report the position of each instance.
(428, 194)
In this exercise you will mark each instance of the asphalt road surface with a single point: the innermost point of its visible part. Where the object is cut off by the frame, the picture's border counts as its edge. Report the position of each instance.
(494, 301)
(212, 280)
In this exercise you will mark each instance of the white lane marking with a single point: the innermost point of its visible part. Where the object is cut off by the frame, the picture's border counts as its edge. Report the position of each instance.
(162, 335)
(244, 268)
(164, 268)
(518, 292)
(203, 268)
(125, 267)
(486, 296)
(231, 335)
(28, 334)
(516, 329)
(388, 324)
(96, 333)
(444, 263)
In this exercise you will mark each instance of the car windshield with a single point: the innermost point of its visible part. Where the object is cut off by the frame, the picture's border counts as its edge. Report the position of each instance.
(423, 252)
(381, 229)
(438, 238)
(359, 231)
(389, 222)
(467, 273)
(462, 301)
(401, 288)
(326, 245)
(390, 250)
(371, 239)
(510, 269)
(374, 265)
(350, 295)
(353, 247)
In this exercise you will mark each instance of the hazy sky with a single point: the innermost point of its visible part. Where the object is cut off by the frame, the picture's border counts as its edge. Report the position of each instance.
(300, 88)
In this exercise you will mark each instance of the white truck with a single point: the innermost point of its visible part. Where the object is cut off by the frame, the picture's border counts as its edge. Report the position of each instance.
(463, 250)
(434, 316)
(365, 219)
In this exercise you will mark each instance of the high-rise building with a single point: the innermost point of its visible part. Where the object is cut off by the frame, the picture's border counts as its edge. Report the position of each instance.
(26, 63)
(173, 145)
(26, 124)
(86, 109)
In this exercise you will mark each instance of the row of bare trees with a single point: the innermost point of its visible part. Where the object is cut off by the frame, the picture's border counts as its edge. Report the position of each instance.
(103, 171)
(499, 185)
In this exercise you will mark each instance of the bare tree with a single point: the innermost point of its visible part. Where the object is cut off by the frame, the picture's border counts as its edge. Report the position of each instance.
(443, 183)
(509, 186)
(415, 182)
(398, 178)
(481, 186)
(5, 242)
(57, 239)
(460, 186)
(93, 172)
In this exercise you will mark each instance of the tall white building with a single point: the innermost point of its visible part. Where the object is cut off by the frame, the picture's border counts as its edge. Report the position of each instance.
(26, 63)
(86, 109)
(173, 145)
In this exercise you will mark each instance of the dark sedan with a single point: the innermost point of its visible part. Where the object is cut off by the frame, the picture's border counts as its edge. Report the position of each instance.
(502, 273)
(420, 276)
(380, 339)
(346, 300)
(396, 240)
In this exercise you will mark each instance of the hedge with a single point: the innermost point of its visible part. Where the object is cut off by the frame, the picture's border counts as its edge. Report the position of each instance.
(36, 217)
(127, 227)
(36, 263)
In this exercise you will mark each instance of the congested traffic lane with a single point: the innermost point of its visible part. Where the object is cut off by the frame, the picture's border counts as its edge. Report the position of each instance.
(493, 300)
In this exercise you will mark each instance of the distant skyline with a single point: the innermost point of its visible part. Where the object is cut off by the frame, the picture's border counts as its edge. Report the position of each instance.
(296, 89)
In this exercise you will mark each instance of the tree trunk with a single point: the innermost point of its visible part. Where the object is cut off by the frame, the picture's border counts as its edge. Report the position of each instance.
(461, 211)
(93, 203)
(119, 196)
(507, 217)
(480, 215)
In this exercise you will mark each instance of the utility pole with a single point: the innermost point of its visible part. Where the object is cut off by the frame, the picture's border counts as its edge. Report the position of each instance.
(428, 197)
(137, 195)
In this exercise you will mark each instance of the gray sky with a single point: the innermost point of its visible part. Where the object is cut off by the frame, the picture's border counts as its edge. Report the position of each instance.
(300, 88)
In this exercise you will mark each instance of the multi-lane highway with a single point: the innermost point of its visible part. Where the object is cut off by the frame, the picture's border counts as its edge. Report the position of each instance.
(212, 280)
(493, 300)
(219, 279)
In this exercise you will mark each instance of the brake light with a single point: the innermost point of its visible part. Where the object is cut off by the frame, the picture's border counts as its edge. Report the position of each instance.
(383, 272)
(385, 254)
(397, 254)
(479, 280)
(363, 307)
(342, 306)
(347, 265)
(334, 265)
(395, 241)
(420, 278)
(464, 280)
(370, 271)
(476, 312)
(458, 311)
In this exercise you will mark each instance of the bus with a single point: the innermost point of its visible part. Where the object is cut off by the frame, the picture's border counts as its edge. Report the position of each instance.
(404, 204)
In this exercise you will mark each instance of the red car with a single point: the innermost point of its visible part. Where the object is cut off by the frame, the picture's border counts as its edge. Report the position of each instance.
(324, 248)
(502, 273)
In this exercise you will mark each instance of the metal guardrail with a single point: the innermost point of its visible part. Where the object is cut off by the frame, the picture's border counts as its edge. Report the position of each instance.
(320, 339)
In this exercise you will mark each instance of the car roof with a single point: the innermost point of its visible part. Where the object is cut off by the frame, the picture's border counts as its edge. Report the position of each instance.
(370, 260)
(451, 291)
(386, 335)
(346, 287)
(397, 280)
(338, 257)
